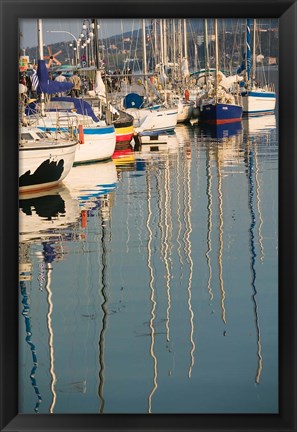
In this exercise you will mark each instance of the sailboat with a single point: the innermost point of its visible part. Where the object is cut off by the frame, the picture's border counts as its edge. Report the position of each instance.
(45, 159)
(122, 119)
(173, 73)
(255, 99)
(185, 105)
(98, 98)
(149, 117)
(98, 138)
(219, 105)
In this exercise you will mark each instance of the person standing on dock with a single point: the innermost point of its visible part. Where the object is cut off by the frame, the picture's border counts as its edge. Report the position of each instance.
(60, 78)
(75, 79)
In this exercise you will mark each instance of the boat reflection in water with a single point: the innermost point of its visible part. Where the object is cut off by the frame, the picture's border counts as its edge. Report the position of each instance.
(52, 226)
(259, 124)
(124, 160)
(43, 222)
(221, 131)
(44, 214)
(167, 303)
(90, 181)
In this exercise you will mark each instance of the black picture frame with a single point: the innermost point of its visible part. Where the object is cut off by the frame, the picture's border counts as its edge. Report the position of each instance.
(286, 11)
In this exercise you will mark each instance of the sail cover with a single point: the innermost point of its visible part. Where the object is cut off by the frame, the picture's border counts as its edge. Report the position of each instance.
(99, 85)
(64, 104)
(227, 82)
(46, 85)
(69, 104)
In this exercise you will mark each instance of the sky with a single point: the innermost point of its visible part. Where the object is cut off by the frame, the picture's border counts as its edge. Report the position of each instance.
(108, 27)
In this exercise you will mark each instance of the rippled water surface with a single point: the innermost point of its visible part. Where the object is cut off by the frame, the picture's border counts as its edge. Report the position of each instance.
(149, 285)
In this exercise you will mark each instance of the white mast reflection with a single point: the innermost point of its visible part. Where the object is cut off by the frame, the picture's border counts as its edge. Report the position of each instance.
(104, 307)
(188, 253)
(49, 269)
(249, 161)
(258, 204)
(178, 183)
(168, 231)
(221, 243)
(209, 223)
(25, 274)
(152, 297)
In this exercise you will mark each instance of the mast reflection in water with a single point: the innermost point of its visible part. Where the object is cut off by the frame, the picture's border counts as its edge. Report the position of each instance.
(156, 293)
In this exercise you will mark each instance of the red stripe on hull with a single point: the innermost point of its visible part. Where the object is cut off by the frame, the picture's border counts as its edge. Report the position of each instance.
(220, 121)
(125, 137)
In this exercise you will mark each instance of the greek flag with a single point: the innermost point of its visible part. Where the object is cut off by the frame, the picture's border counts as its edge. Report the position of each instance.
(34, 80)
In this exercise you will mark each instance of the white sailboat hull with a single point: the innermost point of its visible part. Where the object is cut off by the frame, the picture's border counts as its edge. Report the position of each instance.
(99, 141)
(146, 120)
(43, 165)
(97, 146)
(185, 113)
(255, 102)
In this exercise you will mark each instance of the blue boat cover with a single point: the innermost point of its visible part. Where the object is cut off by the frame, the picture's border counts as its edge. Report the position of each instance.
(80, 105)
(133, 100)
(64, 104)
(46, 85)
(31, 109)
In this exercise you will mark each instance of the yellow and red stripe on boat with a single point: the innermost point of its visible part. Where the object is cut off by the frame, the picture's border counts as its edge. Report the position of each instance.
(124, 133)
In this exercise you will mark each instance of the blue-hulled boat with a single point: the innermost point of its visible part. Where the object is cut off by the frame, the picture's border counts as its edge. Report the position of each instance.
(218, 105)
(220, 113)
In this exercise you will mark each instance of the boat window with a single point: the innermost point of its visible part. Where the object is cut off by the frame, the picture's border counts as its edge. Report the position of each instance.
(61, 105)
(41, 135)
(27, 137)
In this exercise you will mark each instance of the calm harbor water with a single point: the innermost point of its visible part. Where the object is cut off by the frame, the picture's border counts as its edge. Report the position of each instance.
(151, 286)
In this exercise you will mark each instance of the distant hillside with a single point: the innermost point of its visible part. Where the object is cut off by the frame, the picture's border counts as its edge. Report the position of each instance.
(119, 48)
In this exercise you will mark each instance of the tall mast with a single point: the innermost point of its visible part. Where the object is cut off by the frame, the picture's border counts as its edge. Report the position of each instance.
(254, 50)
(144, 65)
(248, 49)
(185, 40)
(161, 41)
(165, 42)
(40, 48)
(40, 39)
(206, 53)
(179, 41)
(216, 57)
(157, 59)
(96, 42)
(173, 40)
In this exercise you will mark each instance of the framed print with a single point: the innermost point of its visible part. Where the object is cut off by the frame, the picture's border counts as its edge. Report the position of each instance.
(148, 234)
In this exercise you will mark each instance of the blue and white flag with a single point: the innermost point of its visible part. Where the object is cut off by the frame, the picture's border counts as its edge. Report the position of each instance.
(34, 80)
